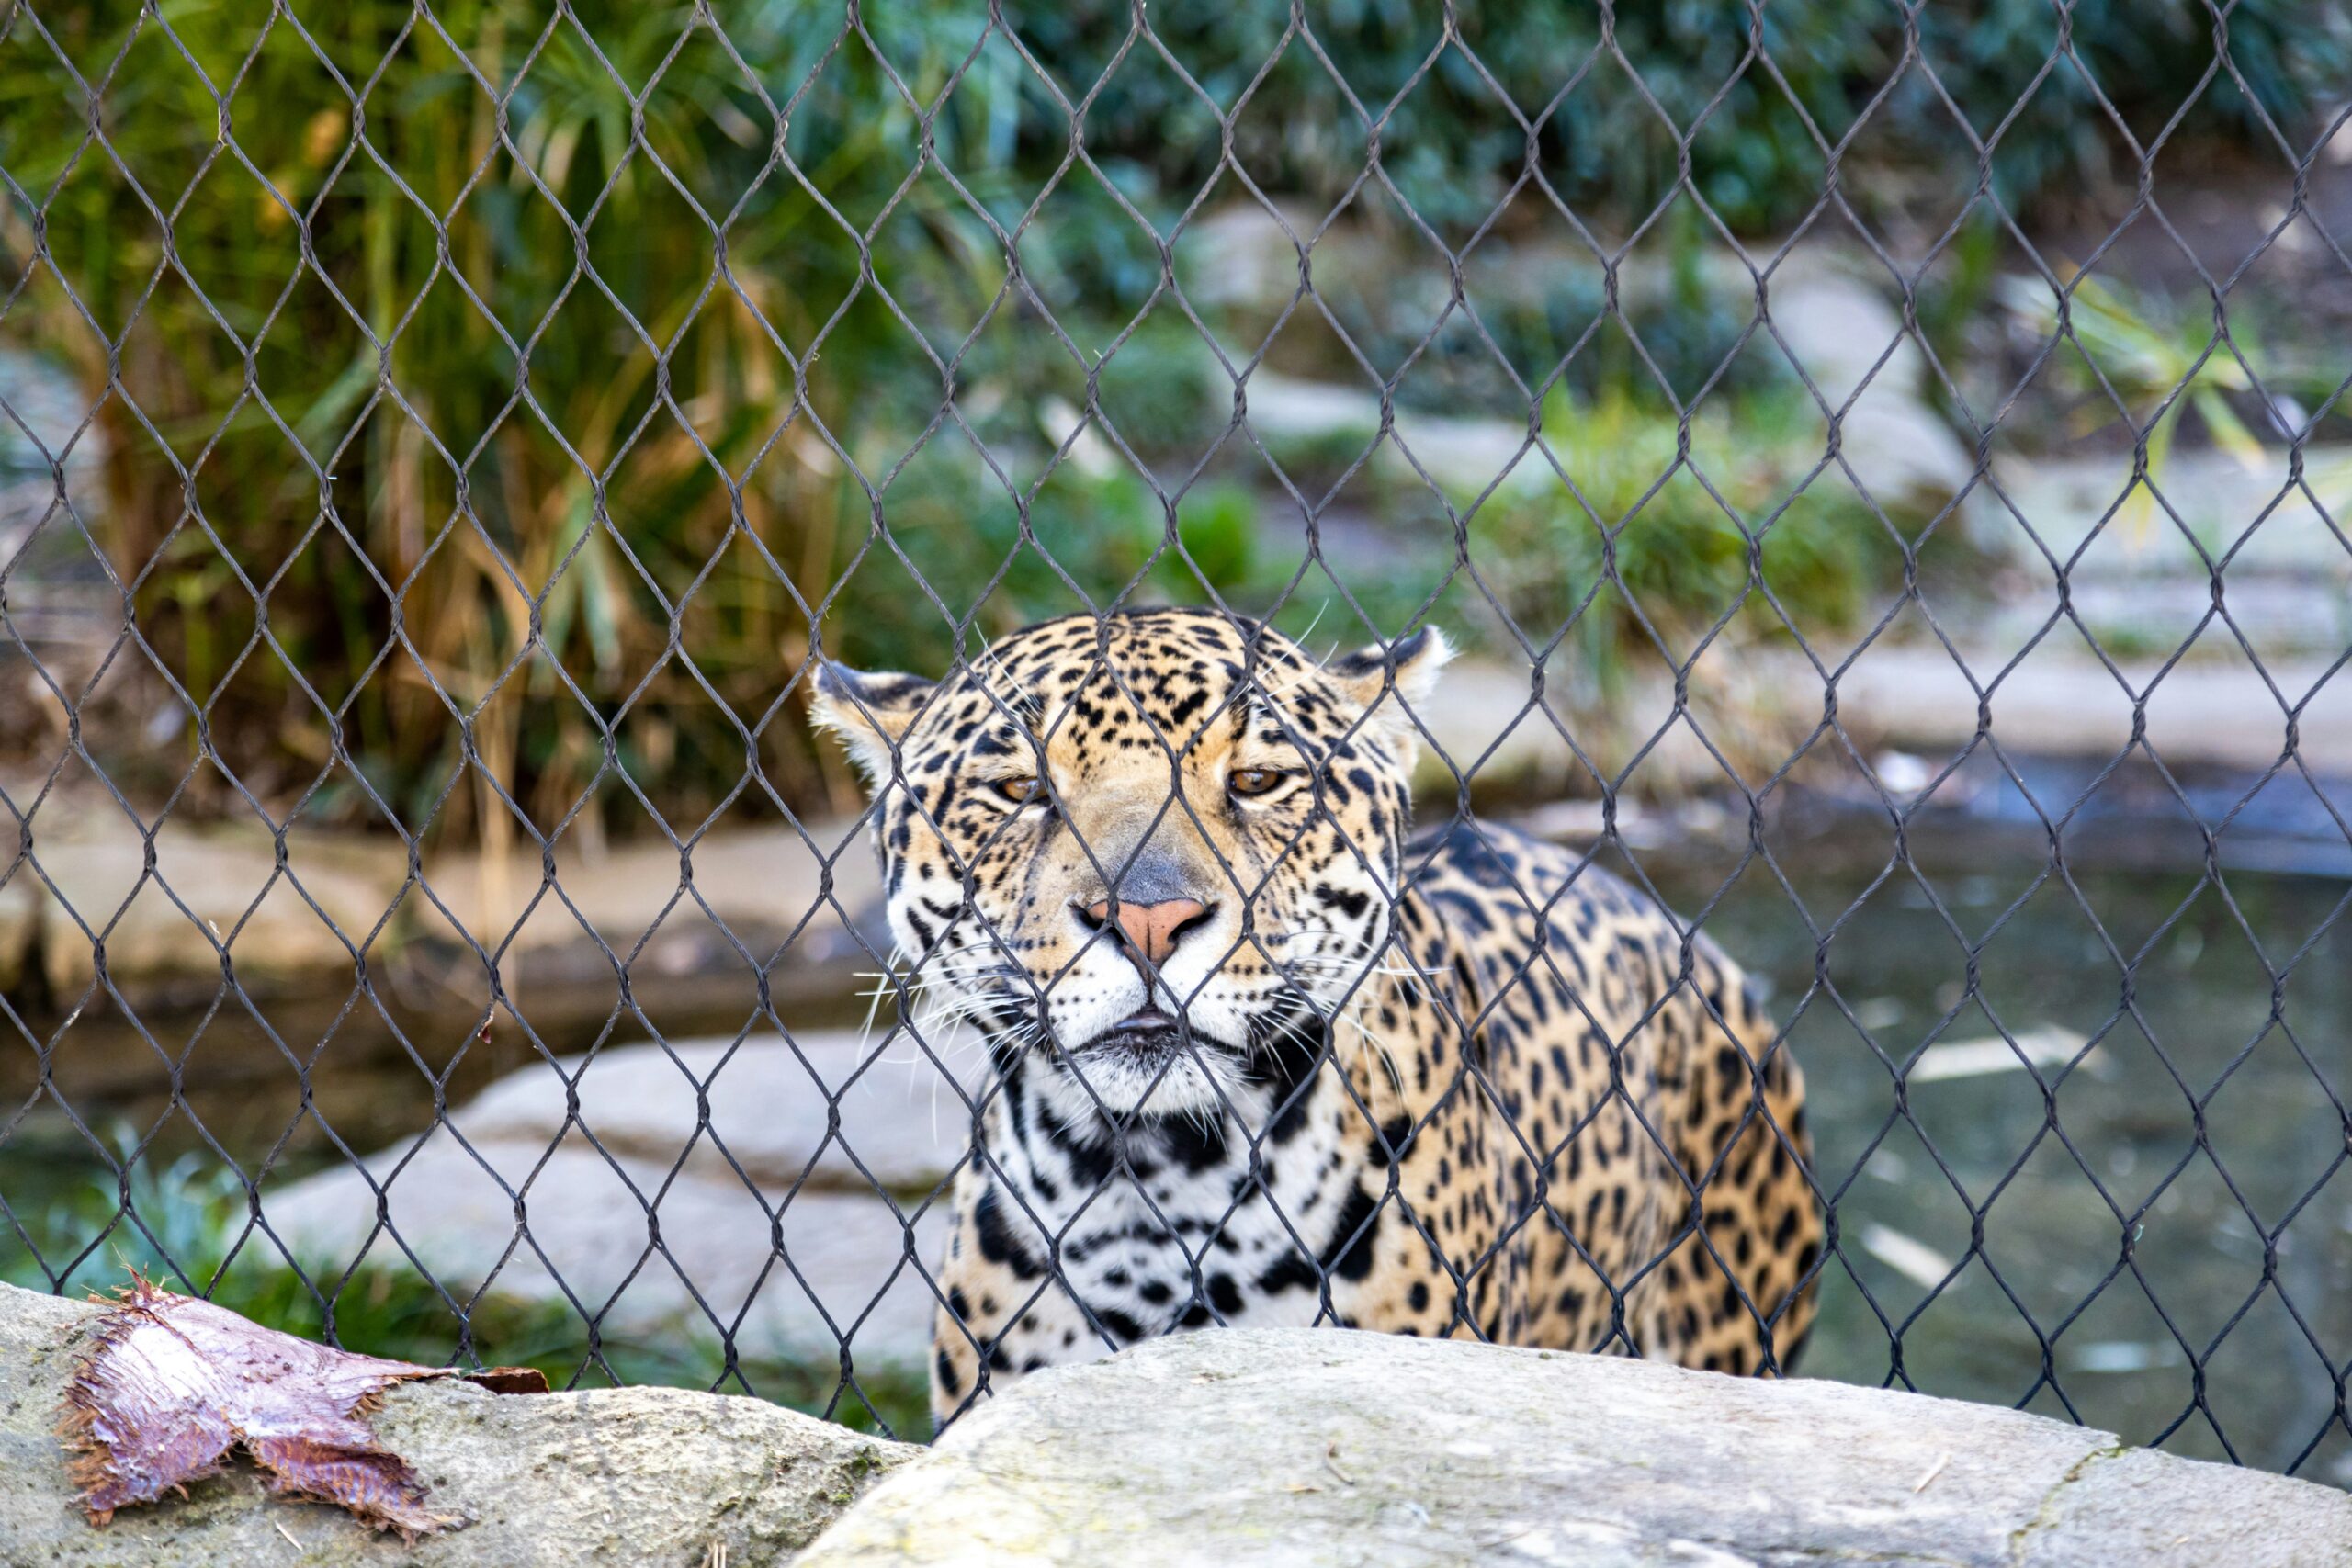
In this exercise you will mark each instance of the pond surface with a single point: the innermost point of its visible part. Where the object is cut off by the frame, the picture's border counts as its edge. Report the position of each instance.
(2148, 1230)
(2063, 1236)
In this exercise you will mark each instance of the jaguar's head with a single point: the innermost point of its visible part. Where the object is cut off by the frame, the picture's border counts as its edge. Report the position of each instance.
(1147, 848)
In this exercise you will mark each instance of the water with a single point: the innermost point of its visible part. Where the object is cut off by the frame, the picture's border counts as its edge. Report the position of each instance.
(1982, 1248)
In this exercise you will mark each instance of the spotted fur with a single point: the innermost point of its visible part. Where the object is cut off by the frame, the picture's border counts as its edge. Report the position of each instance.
(1463, 1084)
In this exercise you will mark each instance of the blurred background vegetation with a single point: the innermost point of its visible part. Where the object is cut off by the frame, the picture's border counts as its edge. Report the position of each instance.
(455, 381)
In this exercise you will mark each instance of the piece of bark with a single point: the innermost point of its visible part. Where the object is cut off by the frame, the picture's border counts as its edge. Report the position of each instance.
(175, 1383)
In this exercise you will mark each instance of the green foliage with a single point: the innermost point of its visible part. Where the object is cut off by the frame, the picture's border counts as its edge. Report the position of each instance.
(339, 523)
(1453, 143)
(194, 1232)
(2129, 357)
(1752, 510)
(2152, 61)
(997, 557)
(1545, 318)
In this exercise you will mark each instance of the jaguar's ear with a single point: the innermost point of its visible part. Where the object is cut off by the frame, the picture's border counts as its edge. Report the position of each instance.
(1384, 680)
(870, 713)
(1407, 666)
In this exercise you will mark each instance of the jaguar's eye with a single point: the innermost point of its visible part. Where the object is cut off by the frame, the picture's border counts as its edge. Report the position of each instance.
(1022, 791)
(1248, 782)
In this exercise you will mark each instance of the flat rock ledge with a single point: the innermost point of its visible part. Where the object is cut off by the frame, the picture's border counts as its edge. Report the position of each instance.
(1314, 1447)
(640, 1475)
(1259, 1446)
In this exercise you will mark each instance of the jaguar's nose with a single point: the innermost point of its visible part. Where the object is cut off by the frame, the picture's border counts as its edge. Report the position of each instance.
(1149, 933)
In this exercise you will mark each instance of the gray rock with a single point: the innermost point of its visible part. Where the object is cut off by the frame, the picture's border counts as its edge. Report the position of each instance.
(1277, 1447)
(1466, 454)
(2217, 709)
(2133, 1505)
(337, 891)
(1242, 254)
(829, 1106)
(2139, 573)
(787, 1279)
(1304, 1447)
(628, 1475)
(1851, 344)
(2259, 514)
(735, 1146)
(2056, 700)
(763, 881)
(207, 884)
(1487, 722)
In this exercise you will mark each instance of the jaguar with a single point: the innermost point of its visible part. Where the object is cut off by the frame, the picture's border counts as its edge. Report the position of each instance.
(1260, 1053)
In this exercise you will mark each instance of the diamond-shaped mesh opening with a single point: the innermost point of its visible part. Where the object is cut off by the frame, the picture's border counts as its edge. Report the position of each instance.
(1884, 472)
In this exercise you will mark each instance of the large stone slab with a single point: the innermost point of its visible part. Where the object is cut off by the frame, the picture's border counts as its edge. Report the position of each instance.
(1486, 723)
(2139, 573)
(763, 883)
(1837, 322)
(2276, 514)
(1313, 1447)
(159, 905)
(1466, 454)
(1271, 1447)
(623, 1475)
(2058, 699)
(796, 1190)
(159, 900)
(835, 1108)
(2217, 711)
(788, 1275)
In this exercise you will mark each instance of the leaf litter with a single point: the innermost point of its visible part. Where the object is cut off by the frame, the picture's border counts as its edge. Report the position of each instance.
(175, 1384)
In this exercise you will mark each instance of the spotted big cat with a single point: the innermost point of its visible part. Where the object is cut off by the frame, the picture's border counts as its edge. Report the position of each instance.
(1261, 1055)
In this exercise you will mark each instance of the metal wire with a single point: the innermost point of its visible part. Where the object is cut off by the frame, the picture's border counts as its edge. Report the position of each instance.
(154, 43)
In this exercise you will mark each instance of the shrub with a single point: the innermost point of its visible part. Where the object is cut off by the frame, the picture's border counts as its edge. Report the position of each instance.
(448, 503)
(1692, 540)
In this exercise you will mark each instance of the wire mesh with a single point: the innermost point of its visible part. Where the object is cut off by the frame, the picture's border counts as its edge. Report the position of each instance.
(755, 232)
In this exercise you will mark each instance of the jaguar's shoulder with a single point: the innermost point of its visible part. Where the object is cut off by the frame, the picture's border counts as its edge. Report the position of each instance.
(1509, 867)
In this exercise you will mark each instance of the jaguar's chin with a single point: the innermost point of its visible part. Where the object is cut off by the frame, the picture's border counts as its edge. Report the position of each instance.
(1148, 1065)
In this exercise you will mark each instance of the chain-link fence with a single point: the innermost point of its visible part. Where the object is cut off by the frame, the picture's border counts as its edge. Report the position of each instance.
(1881, 465)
